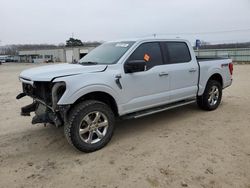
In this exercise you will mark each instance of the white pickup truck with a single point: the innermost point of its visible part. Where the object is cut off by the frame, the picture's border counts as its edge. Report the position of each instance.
(122, 79)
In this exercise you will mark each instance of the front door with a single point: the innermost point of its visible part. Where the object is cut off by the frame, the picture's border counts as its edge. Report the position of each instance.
(146, 88)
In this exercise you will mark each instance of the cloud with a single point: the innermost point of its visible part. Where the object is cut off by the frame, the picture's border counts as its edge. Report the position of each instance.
(46, 21)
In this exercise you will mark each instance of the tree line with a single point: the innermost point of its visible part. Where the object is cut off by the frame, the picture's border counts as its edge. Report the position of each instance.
(71, 42)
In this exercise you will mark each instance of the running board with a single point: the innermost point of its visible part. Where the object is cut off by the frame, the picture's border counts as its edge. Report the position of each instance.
(157, 109)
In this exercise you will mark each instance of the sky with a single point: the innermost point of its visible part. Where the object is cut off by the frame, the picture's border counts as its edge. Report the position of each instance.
(54, 21)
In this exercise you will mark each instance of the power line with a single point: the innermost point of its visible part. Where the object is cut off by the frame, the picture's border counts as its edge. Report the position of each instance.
(207, 32)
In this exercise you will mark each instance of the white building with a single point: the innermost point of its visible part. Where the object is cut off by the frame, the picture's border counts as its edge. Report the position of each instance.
(60, 54)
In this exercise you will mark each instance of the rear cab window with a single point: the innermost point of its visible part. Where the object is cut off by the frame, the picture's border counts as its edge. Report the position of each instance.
(176, 52)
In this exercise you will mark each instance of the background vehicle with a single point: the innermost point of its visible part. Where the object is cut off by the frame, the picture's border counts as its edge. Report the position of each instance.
(122, 79)
(2, 59)
(8, 58)
(49, 61)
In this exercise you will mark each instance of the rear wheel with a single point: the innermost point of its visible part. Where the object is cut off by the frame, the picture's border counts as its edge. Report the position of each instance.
(211, 98)
(90, 126)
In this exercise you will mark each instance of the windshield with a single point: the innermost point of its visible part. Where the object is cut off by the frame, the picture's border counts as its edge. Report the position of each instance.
(107, 53)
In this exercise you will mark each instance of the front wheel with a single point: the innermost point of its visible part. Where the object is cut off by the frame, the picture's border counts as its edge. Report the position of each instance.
(90, 126)
(211, 98)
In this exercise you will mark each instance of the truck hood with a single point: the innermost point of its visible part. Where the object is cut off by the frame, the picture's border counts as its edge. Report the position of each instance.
(49, 72)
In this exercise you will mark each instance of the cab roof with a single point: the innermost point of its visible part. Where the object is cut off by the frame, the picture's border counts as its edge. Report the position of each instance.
(148, 39)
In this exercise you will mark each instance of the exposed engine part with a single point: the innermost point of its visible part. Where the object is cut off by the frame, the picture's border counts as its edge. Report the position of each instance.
(41, 115)
(25, 111)
(43, 103)
(57, 121)
(45, 115)
(57, 92)
(46, 96)
(63, 111)
(21, 95)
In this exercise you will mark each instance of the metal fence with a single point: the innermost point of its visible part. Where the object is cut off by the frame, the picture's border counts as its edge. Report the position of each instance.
(236, 54)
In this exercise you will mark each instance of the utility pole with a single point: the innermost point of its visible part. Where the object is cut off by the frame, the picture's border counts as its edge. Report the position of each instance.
(72, 59)
(0, 46)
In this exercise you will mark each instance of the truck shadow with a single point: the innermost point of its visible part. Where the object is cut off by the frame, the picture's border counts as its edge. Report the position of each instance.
(131, 127)
(38, 139)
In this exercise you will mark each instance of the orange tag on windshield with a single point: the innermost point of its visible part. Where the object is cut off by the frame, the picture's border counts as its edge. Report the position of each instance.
(146, 57)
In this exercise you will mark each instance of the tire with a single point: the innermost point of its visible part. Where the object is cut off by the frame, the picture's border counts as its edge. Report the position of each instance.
(205, 101)
(95, 120)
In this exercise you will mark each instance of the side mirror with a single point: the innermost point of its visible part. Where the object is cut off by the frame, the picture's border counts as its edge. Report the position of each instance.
(134, 66)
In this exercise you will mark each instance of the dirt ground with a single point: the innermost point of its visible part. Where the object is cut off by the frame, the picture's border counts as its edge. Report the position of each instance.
(184, 147)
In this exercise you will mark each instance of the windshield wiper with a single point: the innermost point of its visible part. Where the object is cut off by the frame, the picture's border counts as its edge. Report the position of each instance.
(88, 63)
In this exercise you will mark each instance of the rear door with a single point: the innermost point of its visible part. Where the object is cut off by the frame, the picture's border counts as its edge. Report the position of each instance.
(150, 87)
(183, 70)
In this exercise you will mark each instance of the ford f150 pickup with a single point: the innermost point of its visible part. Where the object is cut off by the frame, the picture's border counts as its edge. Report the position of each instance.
(122, 79)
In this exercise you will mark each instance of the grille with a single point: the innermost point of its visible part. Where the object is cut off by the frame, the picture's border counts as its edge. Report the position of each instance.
(40, 90)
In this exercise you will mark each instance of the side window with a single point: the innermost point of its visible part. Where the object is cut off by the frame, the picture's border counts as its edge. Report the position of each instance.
(150, 53)
(177, 52)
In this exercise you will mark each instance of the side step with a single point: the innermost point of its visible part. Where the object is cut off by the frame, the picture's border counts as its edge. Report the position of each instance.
(158, 109)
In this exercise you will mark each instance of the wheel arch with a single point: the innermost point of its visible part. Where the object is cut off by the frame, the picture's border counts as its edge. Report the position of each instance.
(216, 77)
(102, 97)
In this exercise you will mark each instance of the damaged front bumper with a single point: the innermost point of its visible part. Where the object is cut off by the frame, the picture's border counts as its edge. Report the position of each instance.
(45, 112)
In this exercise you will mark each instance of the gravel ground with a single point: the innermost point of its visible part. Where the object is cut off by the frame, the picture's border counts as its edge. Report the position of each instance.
(183, 147)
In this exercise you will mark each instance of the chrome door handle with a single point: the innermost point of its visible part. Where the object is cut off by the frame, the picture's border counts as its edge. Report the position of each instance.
(192, 70)
(163, 74)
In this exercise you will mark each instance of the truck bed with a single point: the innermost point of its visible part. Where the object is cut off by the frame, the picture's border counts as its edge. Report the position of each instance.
(201, 59)
(208, 65)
